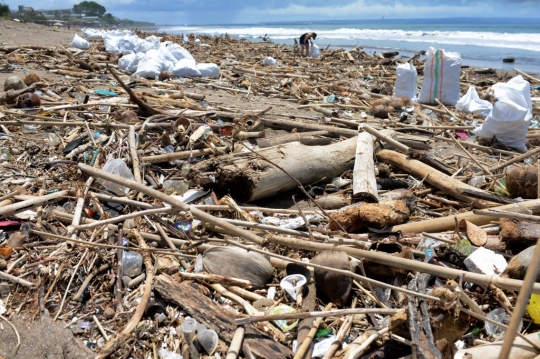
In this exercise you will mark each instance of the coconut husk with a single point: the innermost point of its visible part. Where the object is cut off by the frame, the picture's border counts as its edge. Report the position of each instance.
(238, 263)
(522, 182)
(336, 287)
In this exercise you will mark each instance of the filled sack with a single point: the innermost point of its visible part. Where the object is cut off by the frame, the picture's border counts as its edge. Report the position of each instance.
(510, 117)
(441, 77)
(208, 70)
(79, 43)
(405, 81)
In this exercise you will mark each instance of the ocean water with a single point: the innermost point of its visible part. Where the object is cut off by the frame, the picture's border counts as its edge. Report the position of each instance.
(481, 42)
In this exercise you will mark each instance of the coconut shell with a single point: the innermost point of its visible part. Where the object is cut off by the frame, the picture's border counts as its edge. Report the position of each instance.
(337, 287)
(522, 182)
(126, 116)
(13, 83)
(518, 265)
(164, 75)
(238, 263)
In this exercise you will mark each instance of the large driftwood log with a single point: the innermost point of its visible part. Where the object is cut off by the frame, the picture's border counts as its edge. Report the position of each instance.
(435, 178)
(306, 138)
(205, 311)
(364, 181)
(248, 177)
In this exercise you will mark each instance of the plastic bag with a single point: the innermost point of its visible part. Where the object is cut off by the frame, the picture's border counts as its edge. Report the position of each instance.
(208, 70)
(150, 65)
(179, 52)
(472, 103)
(269, 61)
(79, 43)
(406, 81)
(441, 77)
(185, 68)
(315, 51)
(511, 115)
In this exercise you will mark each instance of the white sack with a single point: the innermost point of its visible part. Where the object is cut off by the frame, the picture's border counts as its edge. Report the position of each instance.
(511, 115)
(185, 68)
(79, 43)
(129, 62)
(315, 51)
(208, 69)
(93, 33)
(269, 61)
(472, 103)
(406, 81)
(128, 43)
(150, 65)
(198, 42)
(441, 77)
(179, 52)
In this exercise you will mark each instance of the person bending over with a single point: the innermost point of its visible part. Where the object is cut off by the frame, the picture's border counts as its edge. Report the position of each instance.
(304, 42)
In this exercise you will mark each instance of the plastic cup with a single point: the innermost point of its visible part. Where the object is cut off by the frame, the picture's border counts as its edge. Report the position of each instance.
(293, 284)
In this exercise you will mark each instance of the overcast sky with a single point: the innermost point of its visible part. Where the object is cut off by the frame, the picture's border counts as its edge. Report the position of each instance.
(252, 11)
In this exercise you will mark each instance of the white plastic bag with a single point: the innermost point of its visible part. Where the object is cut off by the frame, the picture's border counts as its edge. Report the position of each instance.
(511, 115)
(185, 68)
(128, 43)
(406, 81)
(79, 43)
(208, 70)
(472, 103)
(151, 65)
(315, 51)
(441, 77)
(269, 61)
(179, 52)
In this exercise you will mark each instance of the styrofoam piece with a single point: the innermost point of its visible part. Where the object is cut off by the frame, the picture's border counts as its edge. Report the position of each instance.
(486, 262)
(293, 284)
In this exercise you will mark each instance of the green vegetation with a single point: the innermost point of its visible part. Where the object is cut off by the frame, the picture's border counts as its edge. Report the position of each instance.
(4, 10)
(89, 8)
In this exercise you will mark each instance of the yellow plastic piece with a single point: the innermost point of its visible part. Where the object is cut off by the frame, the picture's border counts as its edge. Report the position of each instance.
(533, 308)
(283, 324)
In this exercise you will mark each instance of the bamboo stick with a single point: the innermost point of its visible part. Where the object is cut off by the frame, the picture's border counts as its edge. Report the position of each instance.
(302, 315)
(307, 341)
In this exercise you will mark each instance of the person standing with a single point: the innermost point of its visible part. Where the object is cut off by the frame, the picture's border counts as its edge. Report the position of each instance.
(305, 40)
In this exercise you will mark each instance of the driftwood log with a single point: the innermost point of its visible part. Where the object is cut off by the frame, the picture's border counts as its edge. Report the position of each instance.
(189, 296)
(248, 177)
(364, 181)
(435, 178)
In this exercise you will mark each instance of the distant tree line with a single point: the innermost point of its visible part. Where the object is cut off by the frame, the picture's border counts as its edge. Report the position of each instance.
(86, 8)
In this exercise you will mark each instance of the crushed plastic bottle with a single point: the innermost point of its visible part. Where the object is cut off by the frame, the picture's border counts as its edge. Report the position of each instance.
(499, 315)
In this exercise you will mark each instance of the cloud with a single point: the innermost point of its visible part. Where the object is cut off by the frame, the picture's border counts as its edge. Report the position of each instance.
(249, 11)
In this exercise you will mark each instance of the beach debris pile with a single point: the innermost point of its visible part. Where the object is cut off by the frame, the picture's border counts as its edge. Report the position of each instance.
(291, 208)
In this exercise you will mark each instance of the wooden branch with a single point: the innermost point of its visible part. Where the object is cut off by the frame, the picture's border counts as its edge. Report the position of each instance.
(115, 343)
(436, 178)
(216, 278)
(145, 108)
(449, 222)
(302, 315)
(30, 203)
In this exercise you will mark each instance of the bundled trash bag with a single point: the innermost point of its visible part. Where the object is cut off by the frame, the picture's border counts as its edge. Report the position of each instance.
(269, 61)
(208, 70)
(472, 103)
(185, 68)
(511, 115)
(315, 51)
(79, 43)
(129, 62)
(406, 81)
(441, 77)
(151, 65)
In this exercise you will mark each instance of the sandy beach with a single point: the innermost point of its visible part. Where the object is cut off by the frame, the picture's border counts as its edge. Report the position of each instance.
(219, 176)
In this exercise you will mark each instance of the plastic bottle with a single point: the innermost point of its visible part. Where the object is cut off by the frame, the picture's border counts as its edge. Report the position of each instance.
(499, 315)
(117, 167)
